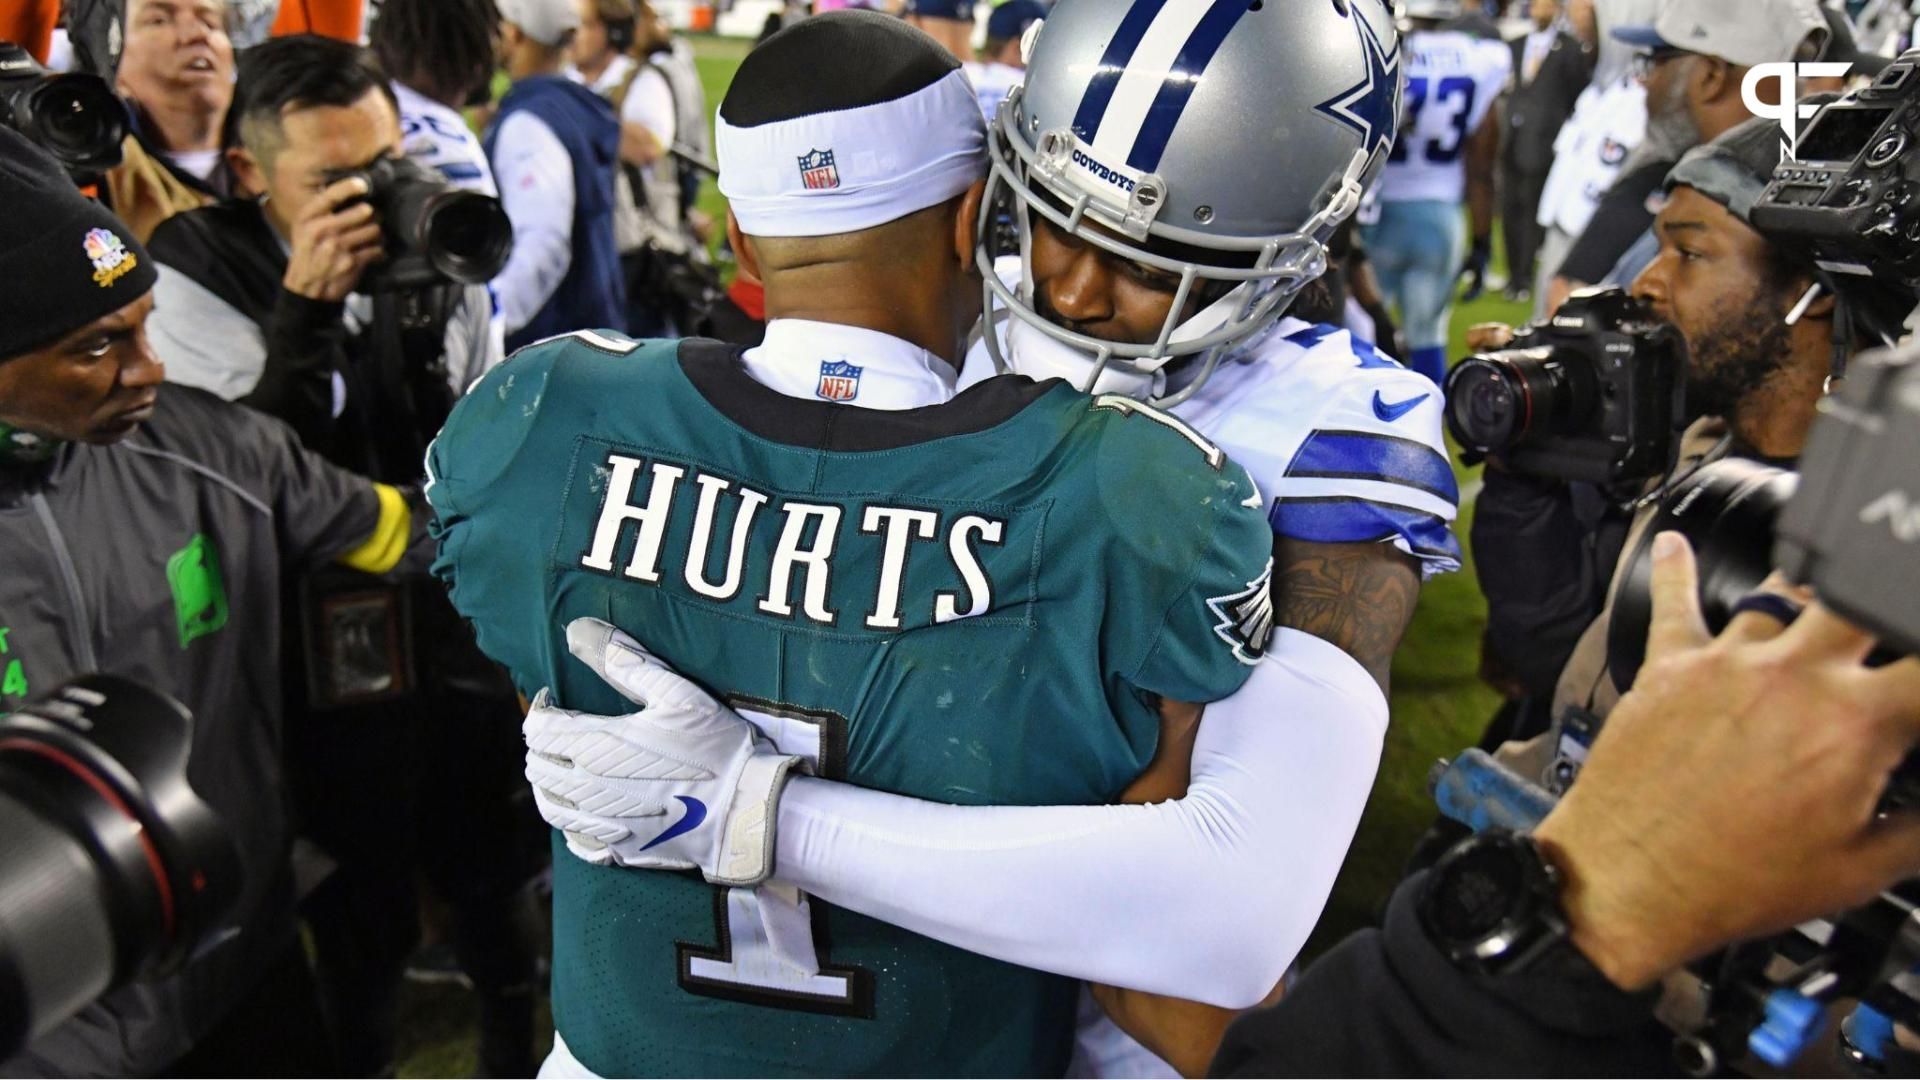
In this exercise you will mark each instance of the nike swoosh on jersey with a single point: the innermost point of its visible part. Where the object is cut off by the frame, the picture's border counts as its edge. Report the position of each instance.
(1390, 413)
(696, 813)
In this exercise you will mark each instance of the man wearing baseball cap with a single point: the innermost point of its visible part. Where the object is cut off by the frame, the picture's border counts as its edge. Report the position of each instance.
(1000, 66)
(1696, 54)
(554, 146)
(148, 528)
(949, 22)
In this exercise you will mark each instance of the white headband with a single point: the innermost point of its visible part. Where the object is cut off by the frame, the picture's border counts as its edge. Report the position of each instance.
(841, 172)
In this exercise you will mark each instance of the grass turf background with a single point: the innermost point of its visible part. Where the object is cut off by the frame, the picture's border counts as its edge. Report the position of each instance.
(1439, 706)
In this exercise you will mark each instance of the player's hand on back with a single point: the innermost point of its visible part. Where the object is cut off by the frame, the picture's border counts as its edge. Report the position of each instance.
(681, 783)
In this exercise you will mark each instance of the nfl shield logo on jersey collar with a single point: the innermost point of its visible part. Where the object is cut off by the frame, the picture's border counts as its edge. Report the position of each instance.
(839, 380)
(817, 171)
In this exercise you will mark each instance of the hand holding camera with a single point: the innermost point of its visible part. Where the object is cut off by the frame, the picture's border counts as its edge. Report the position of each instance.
(1780, 743)
(335, 238)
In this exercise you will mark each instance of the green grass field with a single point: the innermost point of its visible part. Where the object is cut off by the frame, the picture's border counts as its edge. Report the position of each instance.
(1439, 706)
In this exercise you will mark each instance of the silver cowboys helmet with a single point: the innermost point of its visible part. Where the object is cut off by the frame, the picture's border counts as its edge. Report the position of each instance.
(1219, 141)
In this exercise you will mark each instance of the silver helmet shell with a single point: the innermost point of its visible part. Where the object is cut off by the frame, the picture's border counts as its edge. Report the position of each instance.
(1216, 140)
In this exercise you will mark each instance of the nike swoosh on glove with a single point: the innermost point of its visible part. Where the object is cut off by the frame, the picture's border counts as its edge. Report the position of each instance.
(683, 783)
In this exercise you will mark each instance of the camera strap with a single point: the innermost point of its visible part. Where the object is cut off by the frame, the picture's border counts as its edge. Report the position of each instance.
(405, 346)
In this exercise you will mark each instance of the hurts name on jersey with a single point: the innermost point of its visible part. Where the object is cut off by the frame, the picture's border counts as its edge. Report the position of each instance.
(686, 529)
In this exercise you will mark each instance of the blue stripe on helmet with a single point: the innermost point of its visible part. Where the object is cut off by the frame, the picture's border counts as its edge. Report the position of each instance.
(1113, 63)
(1171, 101)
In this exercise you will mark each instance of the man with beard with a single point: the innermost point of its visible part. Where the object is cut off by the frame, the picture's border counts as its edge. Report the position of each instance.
(1754, 383)
(1693, 95)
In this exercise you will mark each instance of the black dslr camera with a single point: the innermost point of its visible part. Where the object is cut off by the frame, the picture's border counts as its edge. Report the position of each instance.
(76, 118)
(1848, 524)
(436, 233)
(1596, 394)
(1851, 192)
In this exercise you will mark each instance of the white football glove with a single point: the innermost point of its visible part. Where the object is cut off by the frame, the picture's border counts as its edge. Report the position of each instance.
(684, 783)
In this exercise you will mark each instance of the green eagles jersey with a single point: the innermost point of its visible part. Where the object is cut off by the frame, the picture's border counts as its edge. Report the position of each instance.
(977, 602)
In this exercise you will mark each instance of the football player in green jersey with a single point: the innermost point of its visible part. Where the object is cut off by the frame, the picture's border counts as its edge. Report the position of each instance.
(891, 580)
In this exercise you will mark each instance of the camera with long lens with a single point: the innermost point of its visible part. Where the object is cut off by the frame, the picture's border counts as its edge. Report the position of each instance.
(76, 118)
(435, 233)
(1848, 524)
(111, 868)
(1850, 194)
(1595, 394)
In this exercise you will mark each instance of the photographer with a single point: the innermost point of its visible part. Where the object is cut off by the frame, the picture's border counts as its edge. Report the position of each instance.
(1752, 384)
(1732, 795)
(259, 296)
(262, 302)
(147, 530)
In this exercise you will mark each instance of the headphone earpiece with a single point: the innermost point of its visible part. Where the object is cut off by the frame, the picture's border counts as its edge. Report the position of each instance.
(622, 32)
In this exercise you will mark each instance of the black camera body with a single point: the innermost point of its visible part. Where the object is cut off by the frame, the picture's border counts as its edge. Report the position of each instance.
(435, 233)
(1853, 532)
(1851, 193)
(76, 118)
(1596, 394)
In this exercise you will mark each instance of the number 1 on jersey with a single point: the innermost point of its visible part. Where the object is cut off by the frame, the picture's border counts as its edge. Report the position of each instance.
(768, 952)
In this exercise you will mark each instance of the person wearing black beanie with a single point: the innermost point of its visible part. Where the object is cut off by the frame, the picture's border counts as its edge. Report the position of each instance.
(69, 264)
(148, 528)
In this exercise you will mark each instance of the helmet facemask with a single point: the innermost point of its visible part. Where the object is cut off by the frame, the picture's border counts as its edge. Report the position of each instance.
(1261, 274)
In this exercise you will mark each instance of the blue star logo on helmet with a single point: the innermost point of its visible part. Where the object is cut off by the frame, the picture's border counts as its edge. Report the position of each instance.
(1372, 106)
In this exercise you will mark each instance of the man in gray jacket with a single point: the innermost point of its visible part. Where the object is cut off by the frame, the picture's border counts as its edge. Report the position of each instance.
(147, 529)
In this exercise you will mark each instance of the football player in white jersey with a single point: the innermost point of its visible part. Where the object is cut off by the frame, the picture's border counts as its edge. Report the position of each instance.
(440, 54)
(1446, 154)
(1175, 168)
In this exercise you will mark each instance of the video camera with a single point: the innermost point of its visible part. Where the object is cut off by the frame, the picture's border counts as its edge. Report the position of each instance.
(436, 233)
(1849, 192)
(1594, 394)
(111, 868)
(76, 118)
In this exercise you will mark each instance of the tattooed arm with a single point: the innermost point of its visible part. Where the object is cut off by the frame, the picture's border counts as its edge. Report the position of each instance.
(1359, 597)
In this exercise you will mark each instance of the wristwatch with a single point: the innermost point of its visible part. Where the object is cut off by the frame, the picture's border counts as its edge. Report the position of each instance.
(1492, 904)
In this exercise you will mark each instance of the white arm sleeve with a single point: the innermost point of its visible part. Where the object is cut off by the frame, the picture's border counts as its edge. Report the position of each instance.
(1212, 894)
(536, 187)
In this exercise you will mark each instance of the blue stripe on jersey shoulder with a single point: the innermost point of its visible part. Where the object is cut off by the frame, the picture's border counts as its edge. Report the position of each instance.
(1362, 521)
(1363, 351)
(460, 170)
(1364, 455)
(1113, 64)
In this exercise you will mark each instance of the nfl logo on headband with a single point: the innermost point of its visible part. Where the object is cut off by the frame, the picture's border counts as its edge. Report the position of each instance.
(817, 173)
(839, 380)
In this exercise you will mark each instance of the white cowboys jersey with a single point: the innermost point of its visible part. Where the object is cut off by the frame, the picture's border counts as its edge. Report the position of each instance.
(1346, 446)
(1344, 442)
(436, 137)
(1453, 79)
